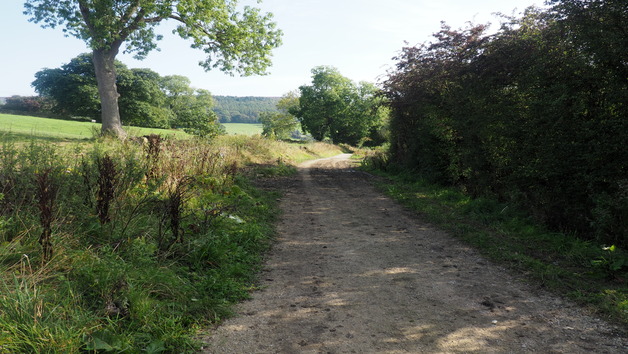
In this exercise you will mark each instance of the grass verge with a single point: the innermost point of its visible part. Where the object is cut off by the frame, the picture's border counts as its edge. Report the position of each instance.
(593, 275)
(116, 246)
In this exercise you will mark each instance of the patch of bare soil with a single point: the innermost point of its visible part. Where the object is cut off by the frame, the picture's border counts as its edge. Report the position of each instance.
(353, 272)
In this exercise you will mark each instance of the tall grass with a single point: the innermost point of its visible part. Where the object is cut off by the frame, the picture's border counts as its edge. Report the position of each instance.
(143, 243)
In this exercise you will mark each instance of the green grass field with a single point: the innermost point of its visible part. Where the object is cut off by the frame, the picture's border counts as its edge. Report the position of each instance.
(56, 130)
(243, 128)
(22, 127)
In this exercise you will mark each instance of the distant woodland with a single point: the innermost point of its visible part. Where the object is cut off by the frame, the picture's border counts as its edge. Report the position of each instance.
(231, 109)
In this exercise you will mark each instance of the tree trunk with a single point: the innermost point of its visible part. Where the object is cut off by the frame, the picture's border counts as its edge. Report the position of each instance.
(108, 91)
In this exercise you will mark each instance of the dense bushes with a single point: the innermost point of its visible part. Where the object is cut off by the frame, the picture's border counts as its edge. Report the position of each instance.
(535, 114)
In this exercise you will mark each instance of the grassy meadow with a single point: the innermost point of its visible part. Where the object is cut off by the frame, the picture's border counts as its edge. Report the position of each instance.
(242, 128)
(24, 127)
(116, 246)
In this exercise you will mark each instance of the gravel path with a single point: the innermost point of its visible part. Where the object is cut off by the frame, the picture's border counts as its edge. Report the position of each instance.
(353, 272)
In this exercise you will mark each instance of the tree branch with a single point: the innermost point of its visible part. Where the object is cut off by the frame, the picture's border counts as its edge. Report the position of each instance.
(195, 25)
(133, 26)
(84, 8)
(132, 9)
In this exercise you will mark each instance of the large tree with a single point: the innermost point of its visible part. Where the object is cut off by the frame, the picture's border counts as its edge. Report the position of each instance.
(336, 108)
(235, 41)
(74, 91)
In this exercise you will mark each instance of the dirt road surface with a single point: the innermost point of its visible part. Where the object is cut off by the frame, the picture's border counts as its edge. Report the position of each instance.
(352, 272)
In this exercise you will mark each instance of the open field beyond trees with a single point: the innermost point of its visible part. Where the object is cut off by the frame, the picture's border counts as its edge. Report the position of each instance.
(243, 128)
(23, 127)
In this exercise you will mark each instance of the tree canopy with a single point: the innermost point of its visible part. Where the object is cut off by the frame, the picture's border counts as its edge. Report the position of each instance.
(236, 40)
(72, 86)
(146, 98)
(336, 108)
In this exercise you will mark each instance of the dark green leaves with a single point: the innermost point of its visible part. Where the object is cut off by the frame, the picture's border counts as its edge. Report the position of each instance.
(534, 114)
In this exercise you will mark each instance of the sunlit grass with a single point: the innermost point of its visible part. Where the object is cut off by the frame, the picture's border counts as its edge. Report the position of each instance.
(57, 130)
(21, 128)
(243, 128)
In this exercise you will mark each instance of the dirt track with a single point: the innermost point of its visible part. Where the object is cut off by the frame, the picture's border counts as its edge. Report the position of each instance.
(352, 272)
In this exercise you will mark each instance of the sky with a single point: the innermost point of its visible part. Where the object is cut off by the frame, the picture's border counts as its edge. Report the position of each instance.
(358, 37)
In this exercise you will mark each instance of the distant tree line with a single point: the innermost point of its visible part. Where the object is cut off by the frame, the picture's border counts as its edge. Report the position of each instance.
(535, 114)
(31, 105)
(146, 98)
(231, 109)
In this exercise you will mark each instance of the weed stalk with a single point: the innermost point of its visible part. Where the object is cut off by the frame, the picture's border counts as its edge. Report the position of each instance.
(46, 191)
(107, 177)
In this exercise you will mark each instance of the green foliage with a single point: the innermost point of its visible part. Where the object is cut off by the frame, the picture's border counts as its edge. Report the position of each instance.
(534, 114)
(146, 99)
(281, 124)
(142, 102)
(193, 110)
(235, 40)
(612, 262)
(335, 108)
(26, 105)
(74, 91)
(125, 273)
(243, 45)
(72, 87)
